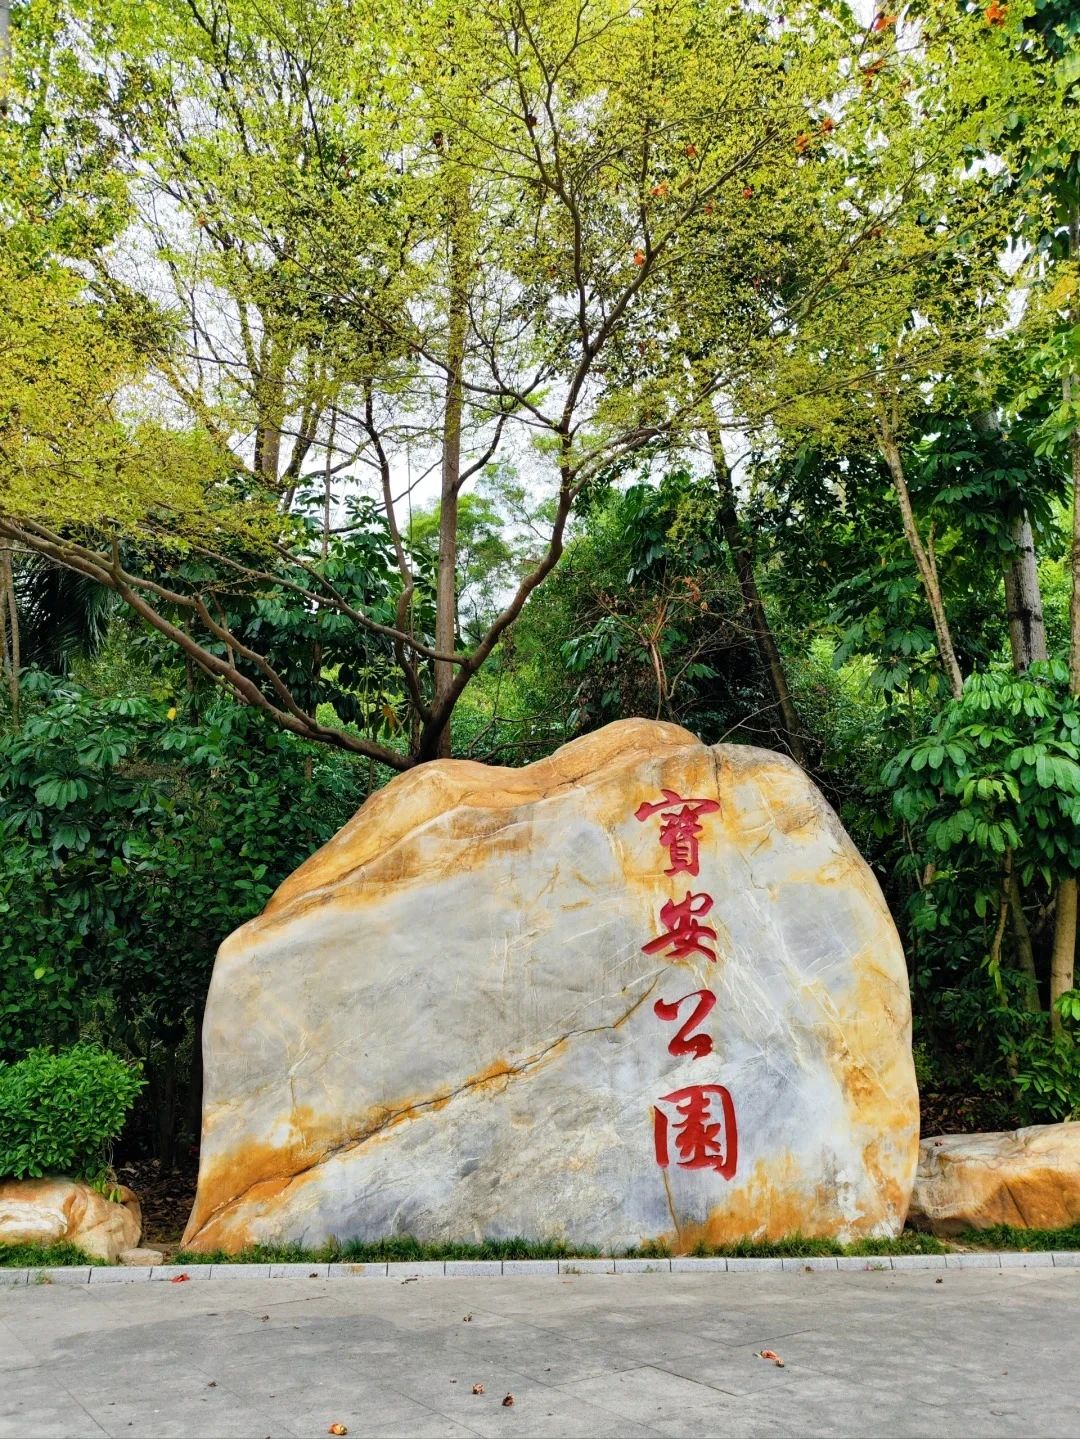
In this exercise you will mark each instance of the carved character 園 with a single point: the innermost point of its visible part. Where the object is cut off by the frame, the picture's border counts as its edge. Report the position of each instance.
(703, 1129)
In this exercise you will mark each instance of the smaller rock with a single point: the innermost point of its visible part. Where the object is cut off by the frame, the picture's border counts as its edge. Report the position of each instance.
(141, 1256)
(1027, 1178)
(48, 1211)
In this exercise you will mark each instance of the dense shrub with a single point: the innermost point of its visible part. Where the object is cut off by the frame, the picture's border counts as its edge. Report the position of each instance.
(136, 832)
(59, 1111)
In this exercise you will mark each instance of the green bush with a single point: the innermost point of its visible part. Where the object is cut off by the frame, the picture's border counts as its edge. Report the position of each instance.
(59, 1111)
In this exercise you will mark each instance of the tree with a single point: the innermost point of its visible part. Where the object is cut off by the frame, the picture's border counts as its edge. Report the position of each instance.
(490, 254)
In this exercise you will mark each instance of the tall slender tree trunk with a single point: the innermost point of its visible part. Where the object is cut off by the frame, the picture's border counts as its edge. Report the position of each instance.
(1023, 599)
(1025, 952)
(446, 586)
(270, 402)
(924, 563)
(753, 606)
(12, 638)
(1023, 596)
(1063, 957)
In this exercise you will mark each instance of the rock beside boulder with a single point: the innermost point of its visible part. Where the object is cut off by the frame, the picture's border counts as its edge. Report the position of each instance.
(141, 1258)
(1029, 1178)
(642, 989)
(52, 1211)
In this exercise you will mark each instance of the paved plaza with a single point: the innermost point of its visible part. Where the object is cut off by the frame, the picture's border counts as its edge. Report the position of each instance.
(968, 1352)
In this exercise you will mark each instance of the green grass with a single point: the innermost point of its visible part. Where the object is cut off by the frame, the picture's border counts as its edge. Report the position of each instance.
(1004, 1236)
(43, 1256)
(799, 1246)
(403, 1248)
(399, 1248)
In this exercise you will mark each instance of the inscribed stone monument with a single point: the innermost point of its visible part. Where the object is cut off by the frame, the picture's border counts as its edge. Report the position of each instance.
(640, 990)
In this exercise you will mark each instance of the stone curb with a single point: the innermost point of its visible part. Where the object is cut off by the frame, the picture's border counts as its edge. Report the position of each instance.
(494, 1268)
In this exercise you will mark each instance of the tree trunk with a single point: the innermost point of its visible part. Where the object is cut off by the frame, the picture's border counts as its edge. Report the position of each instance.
(166, 1108)
(1025, 952)
(1023, 599)
(927, 571)
(446, 587)
(270, 402)
(193, 1103)
(1063, 958)
(12, 640)
(758, 621)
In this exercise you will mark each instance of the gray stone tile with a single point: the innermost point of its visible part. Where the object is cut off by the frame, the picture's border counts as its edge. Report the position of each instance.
(586, 1266)
(918, 1261)
(865, 1263)
(427, 1268)
(309, 1404)
(737, 1266)
(1018, 1259)
(474, 1268)
(299, 1271)
(13, 1276)
(645, 1395)
(193, 1272)
(74, 1274)
(973, 1261)
(810, 1263)
(716, 1265)
(643, 1266)
(538, 1409)
(531, 1266)
(119, 1274)
(1066, 1259)
(54, 1417)
(239, 1271)
(357, 1271)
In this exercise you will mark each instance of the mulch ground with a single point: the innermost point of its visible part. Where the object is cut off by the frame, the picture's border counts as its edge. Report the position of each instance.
(166, 1196)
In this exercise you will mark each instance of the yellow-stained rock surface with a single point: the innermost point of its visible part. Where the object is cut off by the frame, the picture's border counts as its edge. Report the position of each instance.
(487, 1008)
(51, 1211)
(1029, 1178)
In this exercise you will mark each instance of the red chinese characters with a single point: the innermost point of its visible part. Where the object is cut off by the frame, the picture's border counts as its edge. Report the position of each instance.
(680, 827)
(695, 1124)
(686, 1042)
(703, 1128)
(683, 935)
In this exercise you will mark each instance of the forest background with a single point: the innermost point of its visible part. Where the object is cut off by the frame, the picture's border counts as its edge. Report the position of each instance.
(381, 382)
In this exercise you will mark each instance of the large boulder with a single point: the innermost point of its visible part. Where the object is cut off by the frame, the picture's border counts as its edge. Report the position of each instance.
(51, 1211)
(1029, 1178)
(642, 989)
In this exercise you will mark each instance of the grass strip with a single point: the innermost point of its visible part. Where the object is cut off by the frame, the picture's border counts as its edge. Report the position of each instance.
(403, 1248)
(1005, 1236)
(44, 1256)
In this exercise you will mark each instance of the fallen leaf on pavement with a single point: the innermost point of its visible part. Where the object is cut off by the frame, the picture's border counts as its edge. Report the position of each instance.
(180, 1279)
(467, 1319)
(337, 1429)
(772, 1357)
(508, 1401)
(478, 1389)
